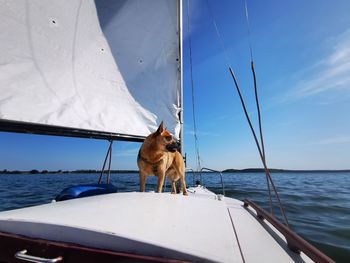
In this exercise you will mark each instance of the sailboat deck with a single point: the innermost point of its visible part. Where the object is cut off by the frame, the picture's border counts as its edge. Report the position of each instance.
(162, 225)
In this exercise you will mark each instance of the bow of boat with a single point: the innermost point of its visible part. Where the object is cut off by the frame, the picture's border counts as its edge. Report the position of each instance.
(200, 227)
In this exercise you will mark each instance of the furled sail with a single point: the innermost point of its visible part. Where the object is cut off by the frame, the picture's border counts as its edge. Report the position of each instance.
(105, 67)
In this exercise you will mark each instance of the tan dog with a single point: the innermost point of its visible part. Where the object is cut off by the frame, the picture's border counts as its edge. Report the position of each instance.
(155, 159)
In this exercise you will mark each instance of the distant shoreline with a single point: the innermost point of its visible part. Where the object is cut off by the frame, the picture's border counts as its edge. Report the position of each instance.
(34, 171)
(247, 170)
(273, 170)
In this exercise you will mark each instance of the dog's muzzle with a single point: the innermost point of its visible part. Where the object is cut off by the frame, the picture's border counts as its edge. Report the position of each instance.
(173, 147)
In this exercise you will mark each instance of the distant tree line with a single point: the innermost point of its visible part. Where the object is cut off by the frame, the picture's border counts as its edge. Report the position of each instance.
(273, 170)
(34, 171)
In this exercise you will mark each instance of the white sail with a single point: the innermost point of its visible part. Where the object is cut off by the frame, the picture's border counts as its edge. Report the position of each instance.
(110, 67)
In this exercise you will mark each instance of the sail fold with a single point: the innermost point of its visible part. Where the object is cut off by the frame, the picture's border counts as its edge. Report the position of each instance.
(109, 66)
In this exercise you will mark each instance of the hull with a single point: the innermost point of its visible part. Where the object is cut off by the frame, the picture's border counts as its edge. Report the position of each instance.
(203, 227)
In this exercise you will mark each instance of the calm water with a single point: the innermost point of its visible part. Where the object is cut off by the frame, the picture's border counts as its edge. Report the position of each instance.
(317, 204)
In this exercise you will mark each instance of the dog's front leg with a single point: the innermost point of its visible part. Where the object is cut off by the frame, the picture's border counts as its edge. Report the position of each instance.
(142, 181)
(161, 177)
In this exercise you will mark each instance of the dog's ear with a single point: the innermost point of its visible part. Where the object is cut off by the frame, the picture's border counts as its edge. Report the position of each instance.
(165, 133)
(160, 128)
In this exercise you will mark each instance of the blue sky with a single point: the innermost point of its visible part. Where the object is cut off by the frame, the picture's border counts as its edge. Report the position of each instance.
(302, 59)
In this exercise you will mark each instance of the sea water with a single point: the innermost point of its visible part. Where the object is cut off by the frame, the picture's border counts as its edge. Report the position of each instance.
(317, 204)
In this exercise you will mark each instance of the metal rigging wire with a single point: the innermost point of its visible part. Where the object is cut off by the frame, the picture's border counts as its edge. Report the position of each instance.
(198, 159)
(261, 148)
(248, 28)
(222, 44)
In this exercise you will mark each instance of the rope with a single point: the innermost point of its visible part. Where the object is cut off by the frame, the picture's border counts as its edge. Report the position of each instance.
(109, 153)
(254, 76)
(267, 172)
(261, 133)
(257, 98)
(109, 163)
(262, 148)
(198, 159)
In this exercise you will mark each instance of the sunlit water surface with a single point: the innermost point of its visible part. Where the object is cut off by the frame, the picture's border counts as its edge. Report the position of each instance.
(317, 204)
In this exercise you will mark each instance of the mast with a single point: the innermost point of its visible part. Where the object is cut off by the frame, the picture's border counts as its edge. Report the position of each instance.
(181, 77)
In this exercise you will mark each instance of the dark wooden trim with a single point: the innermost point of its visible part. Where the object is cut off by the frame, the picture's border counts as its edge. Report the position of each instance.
(26, 127)
(294, 241)
(11, 244)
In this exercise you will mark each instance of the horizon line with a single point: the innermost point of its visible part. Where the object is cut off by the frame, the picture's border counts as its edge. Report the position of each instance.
(232, 170)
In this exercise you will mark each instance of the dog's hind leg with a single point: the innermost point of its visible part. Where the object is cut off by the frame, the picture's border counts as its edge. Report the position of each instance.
(183, 185)
(142, 181)
(173, 187)
(181, 174)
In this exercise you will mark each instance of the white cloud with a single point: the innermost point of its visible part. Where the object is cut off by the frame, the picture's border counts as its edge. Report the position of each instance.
(340, 139)
(329, 75)
(196, 12)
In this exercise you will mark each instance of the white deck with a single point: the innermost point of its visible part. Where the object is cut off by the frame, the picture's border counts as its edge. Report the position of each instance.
(173, 226)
